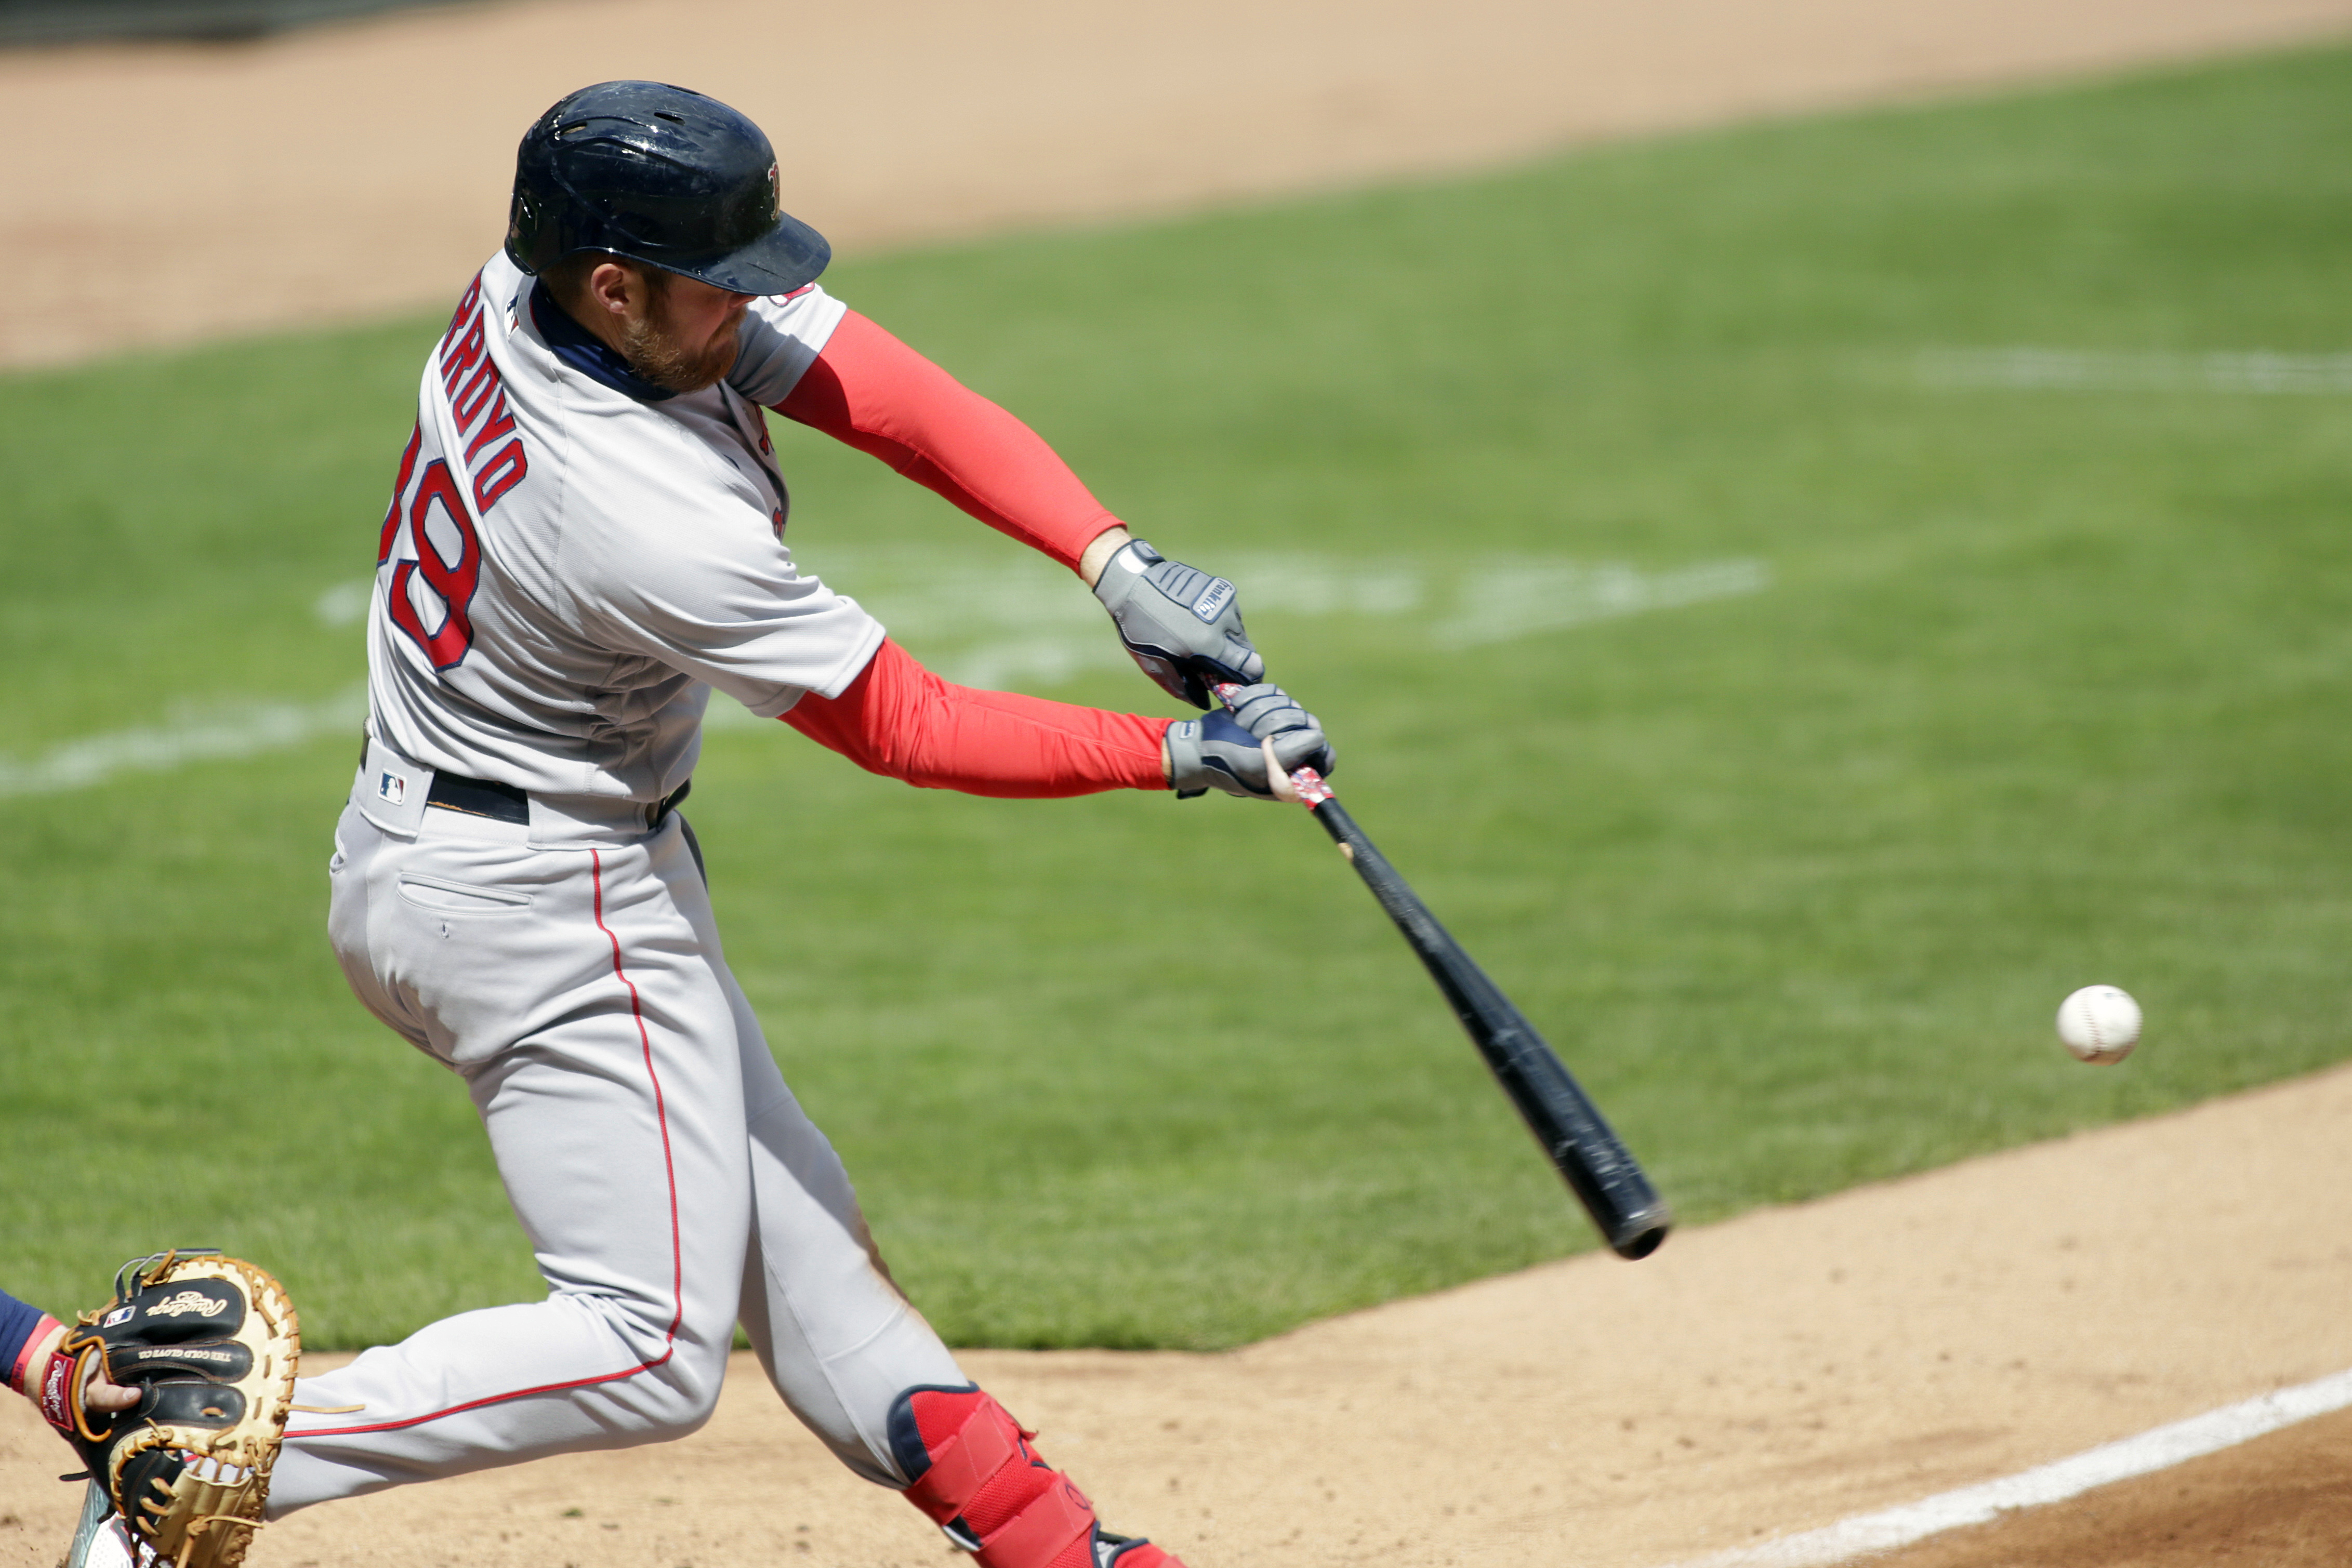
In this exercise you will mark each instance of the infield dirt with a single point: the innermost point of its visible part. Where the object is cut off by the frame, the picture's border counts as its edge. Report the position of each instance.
(1753, 1378)
(1773, 1374)
(1765, 1375)
(182, 192)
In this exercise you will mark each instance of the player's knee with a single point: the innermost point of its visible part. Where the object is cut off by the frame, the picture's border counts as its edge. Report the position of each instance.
(679, 1370)
(685, 1392)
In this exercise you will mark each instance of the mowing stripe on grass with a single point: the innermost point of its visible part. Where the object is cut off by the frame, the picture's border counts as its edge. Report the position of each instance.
(2101, 369)
(2158, 1448)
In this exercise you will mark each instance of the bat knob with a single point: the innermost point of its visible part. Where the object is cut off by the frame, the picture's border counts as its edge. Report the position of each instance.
(1639, 1235)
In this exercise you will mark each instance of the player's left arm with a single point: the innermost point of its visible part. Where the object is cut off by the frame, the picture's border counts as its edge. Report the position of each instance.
(867, 389)
(27, 1334)
(29, 1344)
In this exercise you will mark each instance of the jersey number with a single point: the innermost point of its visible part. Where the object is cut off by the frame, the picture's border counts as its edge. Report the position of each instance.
(453, 581)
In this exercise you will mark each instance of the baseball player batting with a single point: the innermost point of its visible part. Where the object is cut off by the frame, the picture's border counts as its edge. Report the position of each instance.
(587, 536)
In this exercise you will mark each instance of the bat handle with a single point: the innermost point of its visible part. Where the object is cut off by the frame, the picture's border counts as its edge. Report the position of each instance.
(1305, 786)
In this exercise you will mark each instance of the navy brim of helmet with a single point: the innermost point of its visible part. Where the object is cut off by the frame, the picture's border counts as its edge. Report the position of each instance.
(786, 258)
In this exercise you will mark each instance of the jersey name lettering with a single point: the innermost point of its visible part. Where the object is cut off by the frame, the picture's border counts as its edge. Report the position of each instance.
(476, 389)
(443, 528)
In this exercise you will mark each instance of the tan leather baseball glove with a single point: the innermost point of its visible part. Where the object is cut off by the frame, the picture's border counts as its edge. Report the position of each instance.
(210, 1344)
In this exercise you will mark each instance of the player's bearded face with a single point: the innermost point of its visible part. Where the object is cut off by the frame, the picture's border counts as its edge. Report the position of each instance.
(689, 335)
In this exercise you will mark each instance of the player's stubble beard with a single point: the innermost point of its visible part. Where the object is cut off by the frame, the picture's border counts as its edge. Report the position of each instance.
(652, 351)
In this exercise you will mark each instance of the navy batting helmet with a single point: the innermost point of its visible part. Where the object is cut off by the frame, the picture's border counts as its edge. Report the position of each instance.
(663, 176)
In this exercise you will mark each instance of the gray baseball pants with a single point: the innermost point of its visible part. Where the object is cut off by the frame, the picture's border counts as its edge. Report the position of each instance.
(570, 972)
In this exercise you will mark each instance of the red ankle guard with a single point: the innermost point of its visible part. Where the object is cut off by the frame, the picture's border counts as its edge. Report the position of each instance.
(977, 1477)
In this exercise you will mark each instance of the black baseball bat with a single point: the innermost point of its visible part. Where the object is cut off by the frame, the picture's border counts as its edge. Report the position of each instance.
(1583, 1146)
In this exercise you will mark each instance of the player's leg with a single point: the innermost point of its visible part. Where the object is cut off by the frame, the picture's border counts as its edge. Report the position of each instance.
(831, 1329)
(566, 988)
(867, 1373)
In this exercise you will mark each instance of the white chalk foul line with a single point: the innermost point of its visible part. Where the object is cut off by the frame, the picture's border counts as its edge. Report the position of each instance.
(2156, 1449)
(1000, 623)
(239, 729)
(2254, 372)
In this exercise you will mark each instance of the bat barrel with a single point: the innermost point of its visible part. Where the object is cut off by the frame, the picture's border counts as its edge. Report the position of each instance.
(1570, 1128)
(1583, 1148)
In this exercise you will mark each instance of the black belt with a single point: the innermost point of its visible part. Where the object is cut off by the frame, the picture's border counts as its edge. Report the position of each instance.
(505, 803)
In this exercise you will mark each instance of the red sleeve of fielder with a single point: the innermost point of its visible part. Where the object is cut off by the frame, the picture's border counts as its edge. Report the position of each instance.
(880, 396)
(22, 1327)
(900, 720)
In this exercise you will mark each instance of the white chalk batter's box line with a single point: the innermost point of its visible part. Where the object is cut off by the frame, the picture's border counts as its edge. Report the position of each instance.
(2158, 1450)
(2242, 372)
(1005, 622)
(192, 733)
(999, 622)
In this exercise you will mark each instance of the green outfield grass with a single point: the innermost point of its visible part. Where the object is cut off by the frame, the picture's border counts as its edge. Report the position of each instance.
(2047, 686)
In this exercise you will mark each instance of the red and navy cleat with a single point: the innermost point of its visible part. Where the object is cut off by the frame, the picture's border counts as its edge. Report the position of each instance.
(1130, 1552)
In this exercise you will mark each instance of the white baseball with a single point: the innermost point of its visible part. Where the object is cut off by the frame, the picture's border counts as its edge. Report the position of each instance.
(2099, 1023)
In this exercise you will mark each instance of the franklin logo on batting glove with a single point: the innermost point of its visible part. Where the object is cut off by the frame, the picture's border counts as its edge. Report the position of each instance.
(1180, 625)
(1210, 605)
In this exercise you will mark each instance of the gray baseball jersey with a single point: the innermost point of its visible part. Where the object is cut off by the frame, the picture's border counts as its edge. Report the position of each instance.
(572, 561)
(566, 571)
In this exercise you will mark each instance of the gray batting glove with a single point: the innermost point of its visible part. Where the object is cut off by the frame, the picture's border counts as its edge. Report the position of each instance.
(1180, 624)
(1226, 749)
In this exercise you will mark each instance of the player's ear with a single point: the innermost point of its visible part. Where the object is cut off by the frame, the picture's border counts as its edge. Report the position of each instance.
(611, 285)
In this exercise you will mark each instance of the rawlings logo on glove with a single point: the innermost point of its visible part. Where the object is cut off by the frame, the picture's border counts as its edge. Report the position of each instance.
(210, 1344)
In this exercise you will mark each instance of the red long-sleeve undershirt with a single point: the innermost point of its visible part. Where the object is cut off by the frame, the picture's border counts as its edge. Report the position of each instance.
(900, 720)
(871, 390)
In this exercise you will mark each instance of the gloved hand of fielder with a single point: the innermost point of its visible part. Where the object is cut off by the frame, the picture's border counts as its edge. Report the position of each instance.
(1183, 626)
(209, 1344)
(1226, 749)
